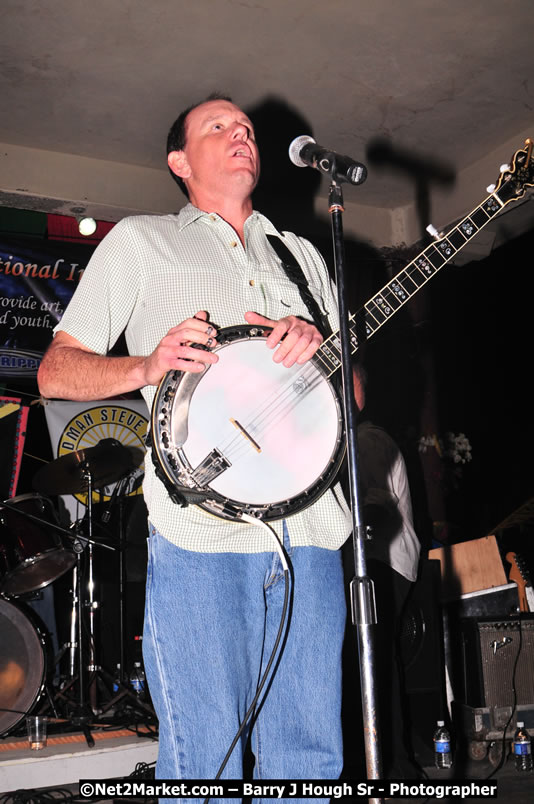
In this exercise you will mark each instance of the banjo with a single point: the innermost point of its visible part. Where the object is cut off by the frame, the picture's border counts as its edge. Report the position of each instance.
(250, 436)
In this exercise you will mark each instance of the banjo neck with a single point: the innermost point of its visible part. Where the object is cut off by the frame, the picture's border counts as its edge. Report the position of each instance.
(399, 290)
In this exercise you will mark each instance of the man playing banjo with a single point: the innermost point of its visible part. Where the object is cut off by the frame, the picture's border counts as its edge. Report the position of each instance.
(215, 586)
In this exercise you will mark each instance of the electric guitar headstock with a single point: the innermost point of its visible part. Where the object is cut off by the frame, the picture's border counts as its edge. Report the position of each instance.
(520, 575)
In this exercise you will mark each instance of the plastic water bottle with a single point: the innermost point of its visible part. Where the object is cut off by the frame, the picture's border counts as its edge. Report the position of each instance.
(522, 748)
(117, 680)
(137, 679)
(442, 746)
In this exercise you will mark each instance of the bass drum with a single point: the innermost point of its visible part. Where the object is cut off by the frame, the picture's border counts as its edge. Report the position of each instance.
(23, 663)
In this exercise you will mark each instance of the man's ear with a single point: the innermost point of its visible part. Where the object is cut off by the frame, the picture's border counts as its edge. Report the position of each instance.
(177, 161)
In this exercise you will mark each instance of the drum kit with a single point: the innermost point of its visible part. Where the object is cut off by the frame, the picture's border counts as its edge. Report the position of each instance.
(35, 551)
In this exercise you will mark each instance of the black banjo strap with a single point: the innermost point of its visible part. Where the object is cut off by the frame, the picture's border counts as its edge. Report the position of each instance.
(295, 273)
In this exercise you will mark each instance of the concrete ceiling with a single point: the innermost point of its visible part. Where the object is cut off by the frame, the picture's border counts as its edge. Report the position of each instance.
(432, 96)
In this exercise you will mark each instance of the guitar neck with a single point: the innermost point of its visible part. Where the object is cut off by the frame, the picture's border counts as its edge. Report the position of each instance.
(399, 290)
(521, 577)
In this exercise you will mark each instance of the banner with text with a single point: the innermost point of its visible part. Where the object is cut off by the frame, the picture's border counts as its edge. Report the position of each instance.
(37, 280)
(81, 426)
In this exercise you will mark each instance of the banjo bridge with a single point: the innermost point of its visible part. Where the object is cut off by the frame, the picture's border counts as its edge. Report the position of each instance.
(246, 435)
(211, 467)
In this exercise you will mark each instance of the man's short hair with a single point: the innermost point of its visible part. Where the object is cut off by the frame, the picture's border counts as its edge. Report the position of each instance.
(176, 138)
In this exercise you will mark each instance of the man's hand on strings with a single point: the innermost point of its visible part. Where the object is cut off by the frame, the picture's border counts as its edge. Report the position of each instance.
(294, 339)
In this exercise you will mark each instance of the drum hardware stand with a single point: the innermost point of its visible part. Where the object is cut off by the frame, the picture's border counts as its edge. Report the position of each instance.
(123, 690)
(83, 713)
(117, 493)
(76, 472)
(87, 712)
(361, 587)
(92, 605)
(77, 547)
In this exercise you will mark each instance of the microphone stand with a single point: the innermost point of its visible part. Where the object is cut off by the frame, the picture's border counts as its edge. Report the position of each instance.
(362, 597)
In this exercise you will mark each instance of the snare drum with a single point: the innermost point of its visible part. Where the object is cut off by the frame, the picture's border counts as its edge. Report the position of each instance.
(24, 660)
(31, 553)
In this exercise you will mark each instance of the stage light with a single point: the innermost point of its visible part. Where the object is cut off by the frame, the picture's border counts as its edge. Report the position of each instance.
(86, 226)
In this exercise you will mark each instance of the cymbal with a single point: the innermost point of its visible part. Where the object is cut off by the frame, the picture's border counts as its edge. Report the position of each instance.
(106, 463)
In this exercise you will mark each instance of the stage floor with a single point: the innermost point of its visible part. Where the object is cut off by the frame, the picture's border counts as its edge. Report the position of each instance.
(118, 753)
(67, 758)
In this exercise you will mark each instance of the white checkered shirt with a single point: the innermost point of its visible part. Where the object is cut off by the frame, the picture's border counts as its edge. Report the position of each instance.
(152, 272)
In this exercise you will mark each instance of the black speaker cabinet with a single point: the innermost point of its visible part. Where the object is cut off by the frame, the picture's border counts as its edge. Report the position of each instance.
(498, 654)
(422, 659)
(421, 637)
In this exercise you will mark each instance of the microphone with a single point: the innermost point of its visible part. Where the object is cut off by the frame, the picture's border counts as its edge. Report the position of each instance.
(304, 152)
(106, 514)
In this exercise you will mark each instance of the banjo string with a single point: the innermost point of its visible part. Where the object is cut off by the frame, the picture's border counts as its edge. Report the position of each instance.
(273, 410)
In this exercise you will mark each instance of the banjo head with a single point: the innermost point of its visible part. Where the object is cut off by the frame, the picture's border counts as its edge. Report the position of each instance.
(248, 435)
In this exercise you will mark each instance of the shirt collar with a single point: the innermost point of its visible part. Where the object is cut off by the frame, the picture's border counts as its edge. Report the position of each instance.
(189, 214)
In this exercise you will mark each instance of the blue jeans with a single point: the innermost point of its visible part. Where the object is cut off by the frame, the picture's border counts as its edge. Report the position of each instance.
(210, 623)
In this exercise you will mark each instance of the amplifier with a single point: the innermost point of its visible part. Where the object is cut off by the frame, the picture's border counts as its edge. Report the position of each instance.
(498, 654)
(499, 603)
